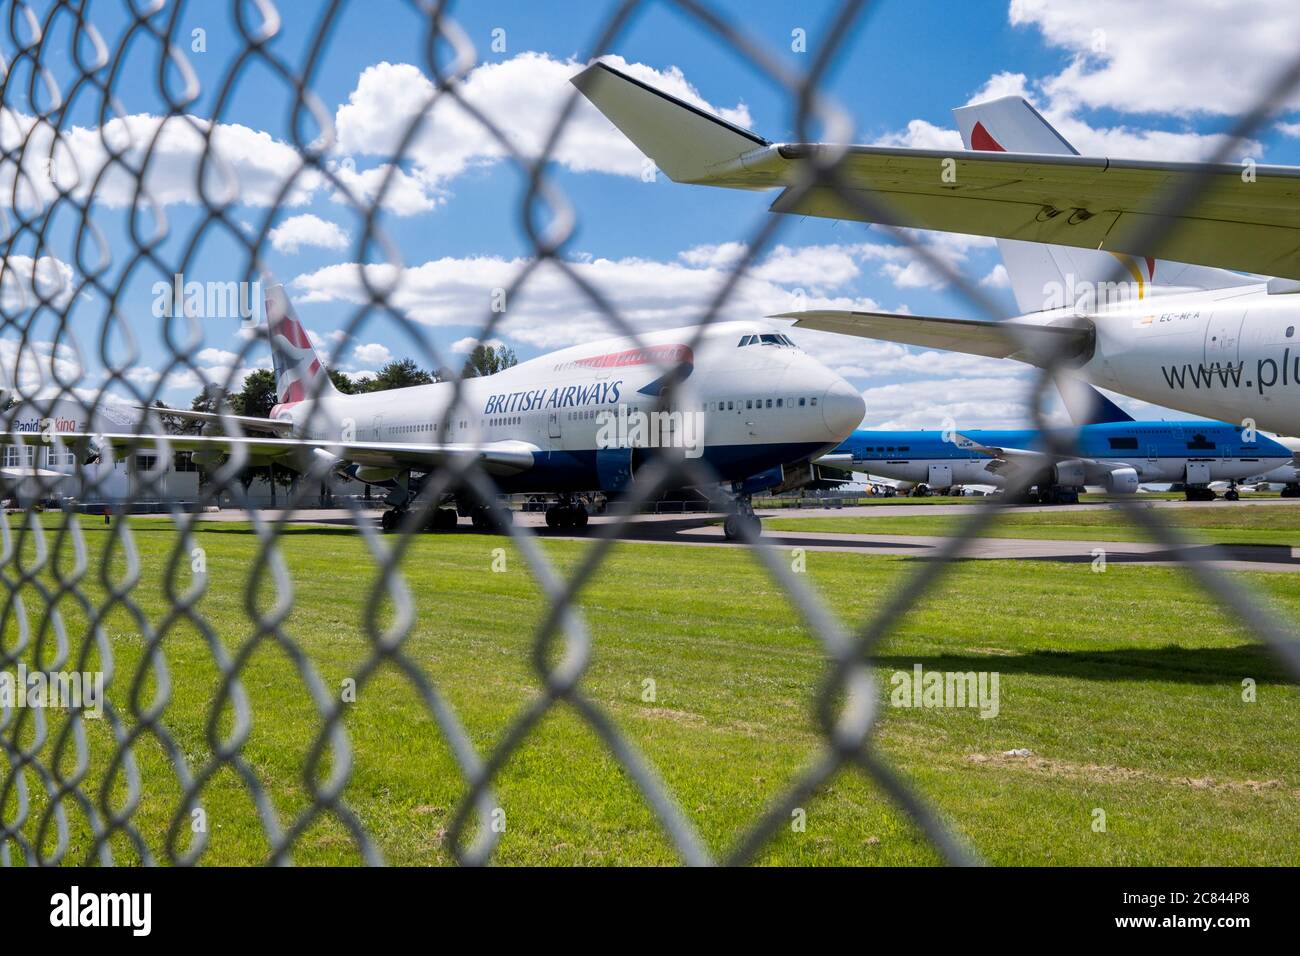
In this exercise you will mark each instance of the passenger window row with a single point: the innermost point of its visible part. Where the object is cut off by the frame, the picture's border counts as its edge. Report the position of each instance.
(753, 403)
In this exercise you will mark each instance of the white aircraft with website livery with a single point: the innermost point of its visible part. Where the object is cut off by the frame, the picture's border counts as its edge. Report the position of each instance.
(744, 400)
(1193, 337)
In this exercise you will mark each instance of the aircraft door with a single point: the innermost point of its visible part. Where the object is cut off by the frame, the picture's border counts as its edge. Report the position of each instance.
(553, 425)
(1223, 337)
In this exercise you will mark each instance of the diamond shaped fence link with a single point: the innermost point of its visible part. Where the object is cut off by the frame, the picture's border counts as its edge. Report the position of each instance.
(46, 571)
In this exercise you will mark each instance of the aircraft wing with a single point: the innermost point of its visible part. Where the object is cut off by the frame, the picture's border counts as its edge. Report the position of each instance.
(251, 423)
(1020, 340)
(498, 457)
(1246, 219)
(1016, 463)
(841, 460)
(28, 471)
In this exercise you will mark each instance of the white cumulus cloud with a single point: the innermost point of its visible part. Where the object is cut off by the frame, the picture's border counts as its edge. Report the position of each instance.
(307, 230)
(522, 96)
(372, 353)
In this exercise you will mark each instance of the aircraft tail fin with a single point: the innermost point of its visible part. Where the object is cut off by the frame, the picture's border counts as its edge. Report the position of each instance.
(299, 372)
(1086, 405)
(1045, 276)
(686, 142)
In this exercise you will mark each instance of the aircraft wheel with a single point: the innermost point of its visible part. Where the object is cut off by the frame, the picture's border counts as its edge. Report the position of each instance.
(755, 525)
(731, 528)
(444, 519)
(1231, 495)
(580, 516)
(561, 516)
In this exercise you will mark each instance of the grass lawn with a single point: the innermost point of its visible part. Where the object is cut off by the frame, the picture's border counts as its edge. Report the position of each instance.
(760, 502)
(1089, 497)
(1126, 686)
(1221, 523)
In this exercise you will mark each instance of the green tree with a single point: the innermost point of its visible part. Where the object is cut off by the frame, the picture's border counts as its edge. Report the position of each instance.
(344, 382)
(488, 360)
(257, 396)
(207, 400)
(170, 423)
(399, 373)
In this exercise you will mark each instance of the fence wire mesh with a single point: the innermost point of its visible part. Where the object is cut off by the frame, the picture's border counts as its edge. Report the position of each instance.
(59, 65)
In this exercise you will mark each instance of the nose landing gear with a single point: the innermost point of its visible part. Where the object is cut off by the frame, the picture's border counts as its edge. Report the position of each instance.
(743, 524)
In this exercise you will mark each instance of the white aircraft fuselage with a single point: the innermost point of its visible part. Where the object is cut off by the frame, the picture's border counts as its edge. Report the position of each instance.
(741, 410)
(1228, 354)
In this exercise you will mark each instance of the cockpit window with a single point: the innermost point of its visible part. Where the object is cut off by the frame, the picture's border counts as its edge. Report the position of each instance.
(767, 338)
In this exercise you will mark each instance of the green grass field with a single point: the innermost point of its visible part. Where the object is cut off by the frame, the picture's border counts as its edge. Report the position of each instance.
(1127, 687)
(908, 500)
(1220, 523)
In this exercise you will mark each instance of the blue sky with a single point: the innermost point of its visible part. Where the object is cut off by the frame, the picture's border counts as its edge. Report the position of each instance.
(1153, 80)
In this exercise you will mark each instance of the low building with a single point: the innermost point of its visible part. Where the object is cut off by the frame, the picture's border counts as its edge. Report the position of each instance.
(46, 471)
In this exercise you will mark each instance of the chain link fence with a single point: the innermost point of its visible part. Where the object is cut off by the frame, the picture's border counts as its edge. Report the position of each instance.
(60, 590)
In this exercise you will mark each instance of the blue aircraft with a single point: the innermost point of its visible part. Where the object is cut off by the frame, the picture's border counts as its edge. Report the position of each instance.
(1114, 451)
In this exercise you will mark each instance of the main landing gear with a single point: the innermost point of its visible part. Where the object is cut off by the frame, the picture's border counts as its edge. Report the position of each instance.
(443, 519)
(1058, 495)
(484, 519)
(743, 524)
(399, 500)
(1202, 493)
(567, 513)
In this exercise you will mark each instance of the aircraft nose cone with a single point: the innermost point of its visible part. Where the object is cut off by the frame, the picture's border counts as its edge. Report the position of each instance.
(842, 410)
